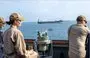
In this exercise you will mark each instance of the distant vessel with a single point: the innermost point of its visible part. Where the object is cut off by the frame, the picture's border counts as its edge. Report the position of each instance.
(50, 29)
(42, 22)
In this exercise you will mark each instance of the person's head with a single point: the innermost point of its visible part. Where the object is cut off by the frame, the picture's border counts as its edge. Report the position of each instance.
(2, 22)
(29, 47)
(81, 19)
(15, 19)
(38, 33)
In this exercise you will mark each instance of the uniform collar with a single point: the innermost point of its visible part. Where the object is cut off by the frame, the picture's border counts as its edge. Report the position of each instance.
(80, 24)
(13, 26)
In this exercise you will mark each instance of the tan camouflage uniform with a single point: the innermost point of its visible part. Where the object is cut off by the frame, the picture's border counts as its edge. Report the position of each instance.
(14, 44)
(31, 54)
(77, 37)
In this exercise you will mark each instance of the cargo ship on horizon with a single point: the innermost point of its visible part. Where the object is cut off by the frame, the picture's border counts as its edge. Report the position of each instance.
(43, 22)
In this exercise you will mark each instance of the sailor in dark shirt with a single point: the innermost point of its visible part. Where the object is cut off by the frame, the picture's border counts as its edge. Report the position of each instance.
(1, 36)
(88, 46)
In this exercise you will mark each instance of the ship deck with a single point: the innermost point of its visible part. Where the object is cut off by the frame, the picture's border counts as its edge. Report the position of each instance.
(60, 48)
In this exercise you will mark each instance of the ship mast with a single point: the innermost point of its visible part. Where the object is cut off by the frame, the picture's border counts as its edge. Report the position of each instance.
(38, 20)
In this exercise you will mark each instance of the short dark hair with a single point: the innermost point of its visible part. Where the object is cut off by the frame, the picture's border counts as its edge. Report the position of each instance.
(80, 18)
(29, 47)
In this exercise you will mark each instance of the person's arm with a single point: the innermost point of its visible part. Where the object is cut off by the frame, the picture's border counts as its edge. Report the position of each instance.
(69, 29)
(20, 44)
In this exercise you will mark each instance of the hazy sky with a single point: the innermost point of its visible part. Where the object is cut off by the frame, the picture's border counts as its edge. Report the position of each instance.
(46, 9)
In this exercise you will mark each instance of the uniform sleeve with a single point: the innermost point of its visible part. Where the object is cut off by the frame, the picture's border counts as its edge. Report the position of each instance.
(88, 30)
(1, 39)
(84, 30)
(20, 44)
(69, 29)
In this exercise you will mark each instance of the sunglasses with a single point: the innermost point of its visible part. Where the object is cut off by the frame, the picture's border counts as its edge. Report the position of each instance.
(18, 20)
(85, 21)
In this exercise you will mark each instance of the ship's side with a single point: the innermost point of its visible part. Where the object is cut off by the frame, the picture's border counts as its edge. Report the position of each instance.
(42, 22)
(60, 47)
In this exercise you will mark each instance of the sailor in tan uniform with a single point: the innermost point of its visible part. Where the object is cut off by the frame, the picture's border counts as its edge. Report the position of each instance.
(2, 22)
(30, 53)
(77, 34)
(14, 44)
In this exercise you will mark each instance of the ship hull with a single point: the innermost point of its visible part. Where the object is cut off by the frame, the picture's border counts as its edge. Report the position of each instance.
(60, 48)
(50, 22)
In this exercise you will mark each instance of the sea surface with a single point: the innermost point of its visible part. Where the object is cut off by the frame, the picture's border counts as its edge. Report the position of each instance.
(55, 31)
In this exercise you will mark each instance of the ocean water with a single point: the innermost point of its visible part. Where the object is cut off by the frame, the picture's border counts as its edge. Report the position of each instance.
(55, 31)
